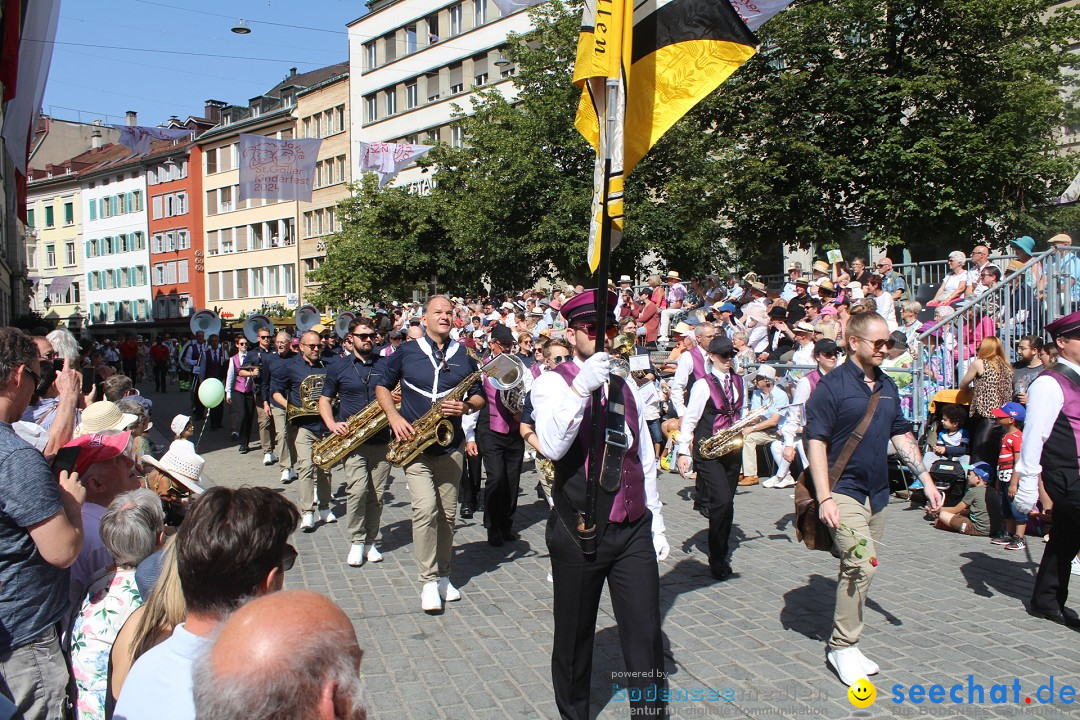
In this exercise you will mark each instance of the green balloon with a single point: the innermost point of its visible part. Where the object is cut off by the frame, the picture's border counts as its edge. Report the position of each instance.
(211, 392)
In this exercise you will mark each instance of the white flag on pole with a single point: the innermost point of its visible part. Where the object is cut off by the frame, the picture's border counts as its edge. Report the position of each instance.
(388, 159)
(277, 169)
(1071, 193)
(756, 13)
(137, 138)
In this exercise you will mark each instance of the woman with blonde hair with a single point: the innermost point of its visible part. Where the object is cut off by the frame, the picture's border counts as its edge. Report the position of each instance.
(990, 377)
(657, 298)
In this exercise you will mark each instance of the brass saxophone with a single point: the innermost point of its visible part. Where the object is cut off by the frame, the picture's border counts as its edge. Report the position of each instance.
(729, 439)
(362, 427)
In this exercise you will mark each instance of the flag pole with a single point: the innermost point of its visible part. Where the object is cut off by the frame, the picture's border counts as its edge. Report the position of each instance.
(599, 421)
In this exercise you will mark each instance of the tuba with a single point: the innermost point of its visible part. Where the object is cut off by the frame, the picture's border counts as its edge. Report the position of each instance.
(254, 324)
(512, 384)
(206, 322)
(342, 323)
(729, 439)
(310, 391)
(306, 318)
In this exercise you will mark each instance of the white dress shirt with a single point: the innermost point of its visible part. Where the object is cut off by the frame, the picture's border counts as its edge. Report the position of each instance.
(230, 377)
(699, 396)
(1045, 401)
(558, 412)
(684, 368)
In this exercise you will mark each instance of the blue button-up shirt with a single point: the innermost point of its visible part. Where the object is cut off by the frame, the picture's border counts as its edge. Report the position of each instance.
(353, 380)
(286, 377)
(835, 409)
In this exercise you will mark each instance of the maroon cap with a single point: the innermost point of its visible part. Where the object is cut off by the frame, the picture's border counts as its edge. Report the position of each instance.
(98, 448)
(1064, 326)
(581, 308)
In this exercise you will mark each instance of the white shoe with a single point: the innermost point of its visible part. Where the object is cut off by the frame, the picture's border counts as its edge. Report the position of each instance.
(550, 579)
(787, 482)
(268, 459)
(372, 553)
(307, 523)
(286, 476)
(356, 555)
(328, 516)
(448, 592)
(1075, 566)
(847, 662)
(771, 482)
(869, 666)
(429, 597)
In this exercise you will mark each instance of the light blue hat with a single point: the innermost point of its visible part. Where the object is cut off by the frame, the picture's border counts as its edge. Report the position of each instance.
(1025, 243)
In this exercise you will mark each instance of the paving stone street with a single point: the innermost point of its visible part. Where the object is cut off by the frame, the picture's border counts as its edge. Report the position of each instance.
(942, 607)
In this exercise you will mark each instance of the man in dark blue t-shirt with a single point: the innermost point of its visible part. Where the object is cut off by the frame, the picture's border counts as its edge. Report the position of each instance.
(854, 507)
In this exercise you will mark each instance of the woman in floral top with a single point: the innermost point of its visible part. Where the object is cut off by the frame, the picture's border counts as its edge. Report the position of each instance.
(131, 529)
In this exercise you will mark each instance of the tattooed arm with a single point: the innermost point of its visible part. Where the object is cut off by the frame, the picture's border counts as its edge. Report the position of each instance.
(907, 449)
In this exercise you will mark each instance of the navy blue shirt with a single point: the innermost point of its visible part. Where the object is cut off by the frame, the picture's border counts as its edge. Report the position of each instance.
(259, 358)
(353, 381)
(414, 365)
(269, 363)
(835, 409)
(287, 375)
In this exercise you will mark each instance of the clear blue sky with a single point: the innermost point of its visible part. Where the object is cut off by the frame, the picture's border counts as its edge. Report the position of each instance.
(102, 82)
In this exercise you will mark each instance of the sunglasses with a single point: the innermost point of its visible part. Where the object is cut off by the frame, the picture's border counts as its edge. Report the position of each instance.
(725, 355)
(288, 558)
(37, 378)
(363, 336)
(264, 337)
(590, 329)
(559, 359)
(887, 343)
(830, 354)
(312, 346)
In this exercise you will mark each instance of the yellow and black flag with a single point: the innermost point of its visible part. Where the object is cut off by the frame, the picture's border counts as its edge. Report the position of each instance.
(667, 56)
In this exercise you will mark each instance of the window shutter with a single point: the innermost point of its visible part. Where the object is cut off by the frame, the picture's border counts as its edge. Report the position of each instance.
(157, 207)
(93, 210)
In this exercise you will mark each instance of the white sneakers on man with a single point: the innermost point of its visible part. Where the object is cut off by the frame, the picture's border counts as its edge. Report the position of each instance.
(778, 482)
(287, 475)
(770, 482)
(869, 666)
(356, 555)
(307, 522)
(372, 553)
(430, 601)
(847, 662)
(328, 516)
(269, 459)
(448, 592)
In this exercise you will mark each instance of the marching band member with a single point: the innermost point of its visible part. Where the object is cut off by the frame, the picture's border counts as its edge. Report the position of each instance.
(353, 380)
(214, 363)
(304, 431)
(428, 369)
(270, 365)
(630, 533)
(689, 368)
(716, 402)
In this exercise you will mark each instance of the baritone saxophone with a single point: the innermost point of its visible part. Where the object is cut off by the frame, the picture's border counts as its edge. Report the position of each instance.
(362, 426)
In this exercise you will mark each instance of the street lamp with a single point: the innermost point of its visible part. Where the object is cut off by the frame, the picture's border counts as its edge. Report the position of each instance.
(502, 61)
(241, 27)
(48, 304)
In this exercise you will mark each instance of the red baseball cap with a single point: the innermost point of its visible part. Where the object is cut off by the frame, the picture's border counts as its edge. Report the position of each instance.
(98, 448)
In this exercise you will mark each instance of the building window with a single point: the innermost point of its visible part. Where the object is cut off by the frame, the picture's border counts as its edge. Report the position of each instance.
(455, 20)
(70, 254)
(433, 29)
(457, 82)
(457, 136)
(183, 240)
(390, 43)
(30, 218)
(410, 39)
(372, 108)
(391, 102)
(213, 286)
(49, 220)
(211, 161)
(339, 117)
(479, 12)
(412, 96)
(69, 213)
(370, 56)
(225, 199)
(50, 256)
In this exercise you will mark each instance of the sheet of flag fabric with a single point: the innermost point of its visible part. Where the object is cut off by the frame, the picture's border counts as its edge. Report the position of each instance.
(136, 138)
(667, 56)
(277, 169)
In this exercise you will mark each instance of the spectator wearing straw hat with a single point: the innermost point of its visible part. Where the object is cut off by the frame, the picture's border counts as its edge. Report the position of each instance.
(177, 478)
(1068, 267)
(676, 293)
(103, 416)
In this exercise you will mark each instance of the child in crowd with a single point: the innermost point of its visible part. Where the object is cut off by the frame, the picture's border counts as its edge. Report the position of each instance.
(970, 516)
(1010, 417)
(952, 440)
(183, 429)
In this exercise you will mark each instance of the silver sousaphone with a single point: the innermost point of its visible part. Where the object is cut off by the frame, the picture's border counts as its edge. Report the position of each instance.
(253, 325)
(206, 322)
(511, 378)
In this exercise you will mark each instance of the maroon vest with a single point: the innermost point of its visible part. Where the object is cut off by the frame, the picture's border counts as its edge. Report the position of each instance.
(725, 411)
(498, 417)
(1061, 452)
(628, 503)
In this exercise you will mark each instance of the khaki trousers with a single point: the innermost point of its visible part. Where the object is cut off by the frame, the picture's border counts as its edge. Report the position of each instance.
(286, 452)
(309, 474)
(749, 450)
(266, 429)
(366, 472)
(433, 484)
(855, 573)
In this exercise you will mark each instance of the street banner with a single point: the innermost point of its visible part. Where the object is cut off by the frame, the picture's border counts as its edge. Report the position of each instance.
(388, 159)
(665, 57)
(277, 170)
(136, 138)
(508, 7)
(756, 13)
(1071, 193)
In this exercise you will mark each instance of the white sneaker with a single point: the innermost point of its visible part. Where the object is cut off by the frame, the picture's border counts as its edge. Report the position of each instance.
(429, 597)
(448, 592)
(268, 459)
(1075, 566)
(847, 663)
(550, 579)
(771, 482)
(286, 476)
(356, 555)
(307, 523)
(328, 516)
(787, 482)
(372, 553)
(869, 666)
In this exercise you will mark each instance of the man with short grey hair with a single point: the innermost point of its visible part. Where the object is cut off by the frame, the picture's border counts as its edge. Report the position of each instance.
(133, 526)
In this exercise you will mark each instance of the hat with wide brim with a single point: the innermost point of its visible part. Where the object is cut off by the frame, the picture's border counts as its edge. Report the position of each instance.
(183, 466)
(683, 328)
(1025, 243)
(673, 275)
(103, 416)
(821, 266)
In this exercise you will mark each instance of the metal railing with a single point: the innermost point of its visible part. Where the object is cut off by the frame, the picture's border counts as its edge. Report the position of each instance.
(1044, 289)
(934, 271)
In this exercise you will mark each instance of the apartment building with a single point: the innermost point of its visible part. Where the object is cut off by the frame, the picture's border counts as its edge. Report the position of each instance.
(251, 249)
(54, 258)
(175, 230)
(322, 111)
(412, 61)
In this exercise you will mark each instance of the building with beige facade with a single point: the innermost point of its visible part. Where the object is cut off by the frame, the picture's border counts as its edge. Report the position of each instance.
(251, 245)
(322, 111)
(54, 257)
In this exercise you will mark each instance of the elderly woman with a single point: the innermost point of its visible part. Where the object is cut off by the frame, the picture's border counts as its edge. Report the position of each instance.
(647, 314)
(132, 528)
(909, 321)
(756, 321)
(955, 283)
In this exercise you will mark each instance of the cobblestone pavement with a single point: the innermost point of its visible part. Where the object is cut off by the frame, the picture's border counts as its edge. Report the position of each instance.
(942, 607)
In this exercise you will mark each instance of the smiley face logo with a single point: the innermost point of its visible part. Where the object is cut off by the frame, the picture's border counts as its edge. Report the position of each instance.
(862, 693)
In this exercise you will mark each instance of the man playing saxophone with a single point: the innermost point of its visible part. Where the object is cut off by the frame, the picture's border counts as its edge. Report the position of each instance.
(353, 379)
(305, 426)
(717, 401)
(429, 369)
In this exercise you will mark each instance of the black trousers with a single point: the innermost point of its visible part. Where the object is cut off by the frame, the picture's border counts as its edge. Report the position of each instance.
(626, 560)
(198, 410)
(161, 376)
(721, 477)
(985, 441)
(245, 404)
(1052, 581)
(502, 462)
(469, 493)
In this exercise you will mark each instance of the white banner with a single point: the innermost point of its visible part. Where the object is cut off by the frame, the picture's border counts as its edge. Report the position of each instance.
(1071, 193)
(756, 13)
(506, 7)
(35, 56)
(277, 169)
(388, 159)
(136, 138)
